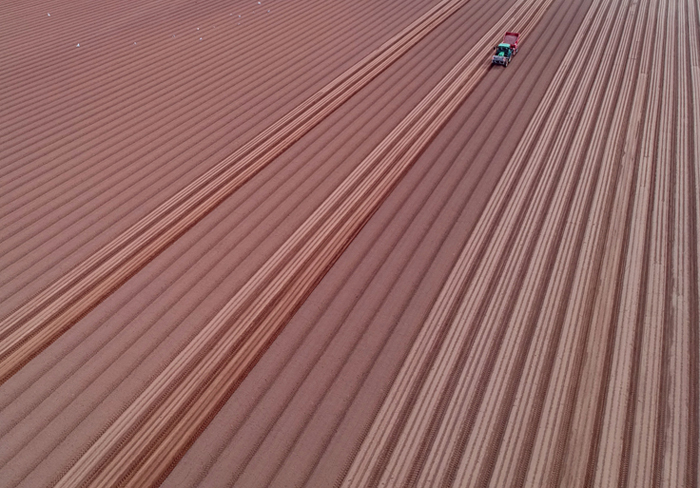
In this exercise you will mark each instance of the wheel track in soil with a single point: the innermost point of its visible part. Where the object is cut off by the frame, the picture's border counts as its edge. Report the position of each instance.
(33, 326)
(405, 429)
(296, 268)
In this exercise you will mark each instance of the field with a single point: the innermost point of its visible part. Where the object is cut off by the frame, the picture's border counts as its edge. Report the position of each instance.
(280, 244)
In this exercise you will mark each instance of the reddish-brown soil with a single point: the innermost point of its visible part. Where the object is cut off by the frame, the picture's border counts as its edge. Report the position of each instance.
(505, 295)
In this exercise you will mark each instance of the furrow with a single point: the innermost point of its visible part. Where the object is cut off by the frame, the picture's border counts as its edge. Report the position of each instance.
(49, 74)
(265, 303)
(672, 439)
(566, 306)
(359, 473)
(349, 138)
(649, 416)
(140, 94)
(62, 404)
(143, 92)
(693, 450)
(116, 262)
(594, 288)
(292, 452)
(523, 284)
(600, 415)
(57, 229)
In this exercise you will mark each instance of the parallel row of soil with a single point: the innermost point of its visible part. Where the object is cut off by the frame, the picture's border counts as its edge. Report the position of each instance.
(38, 322)
(326, 244)
(562, 350)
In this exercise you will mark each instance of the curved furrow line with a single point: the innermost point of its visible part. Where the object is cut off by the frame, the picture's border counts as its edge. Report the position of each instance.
(33, 326)
(358, 475)
(203, 375)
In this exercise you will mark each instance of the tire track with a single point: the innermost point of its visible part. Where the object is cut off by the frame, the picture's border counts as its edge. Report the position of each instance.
(202, 377)
(33, 326)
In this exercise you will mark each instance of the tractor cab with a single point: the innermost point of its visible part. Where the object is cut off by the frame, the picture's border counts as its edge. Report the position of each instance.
(504, 50)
